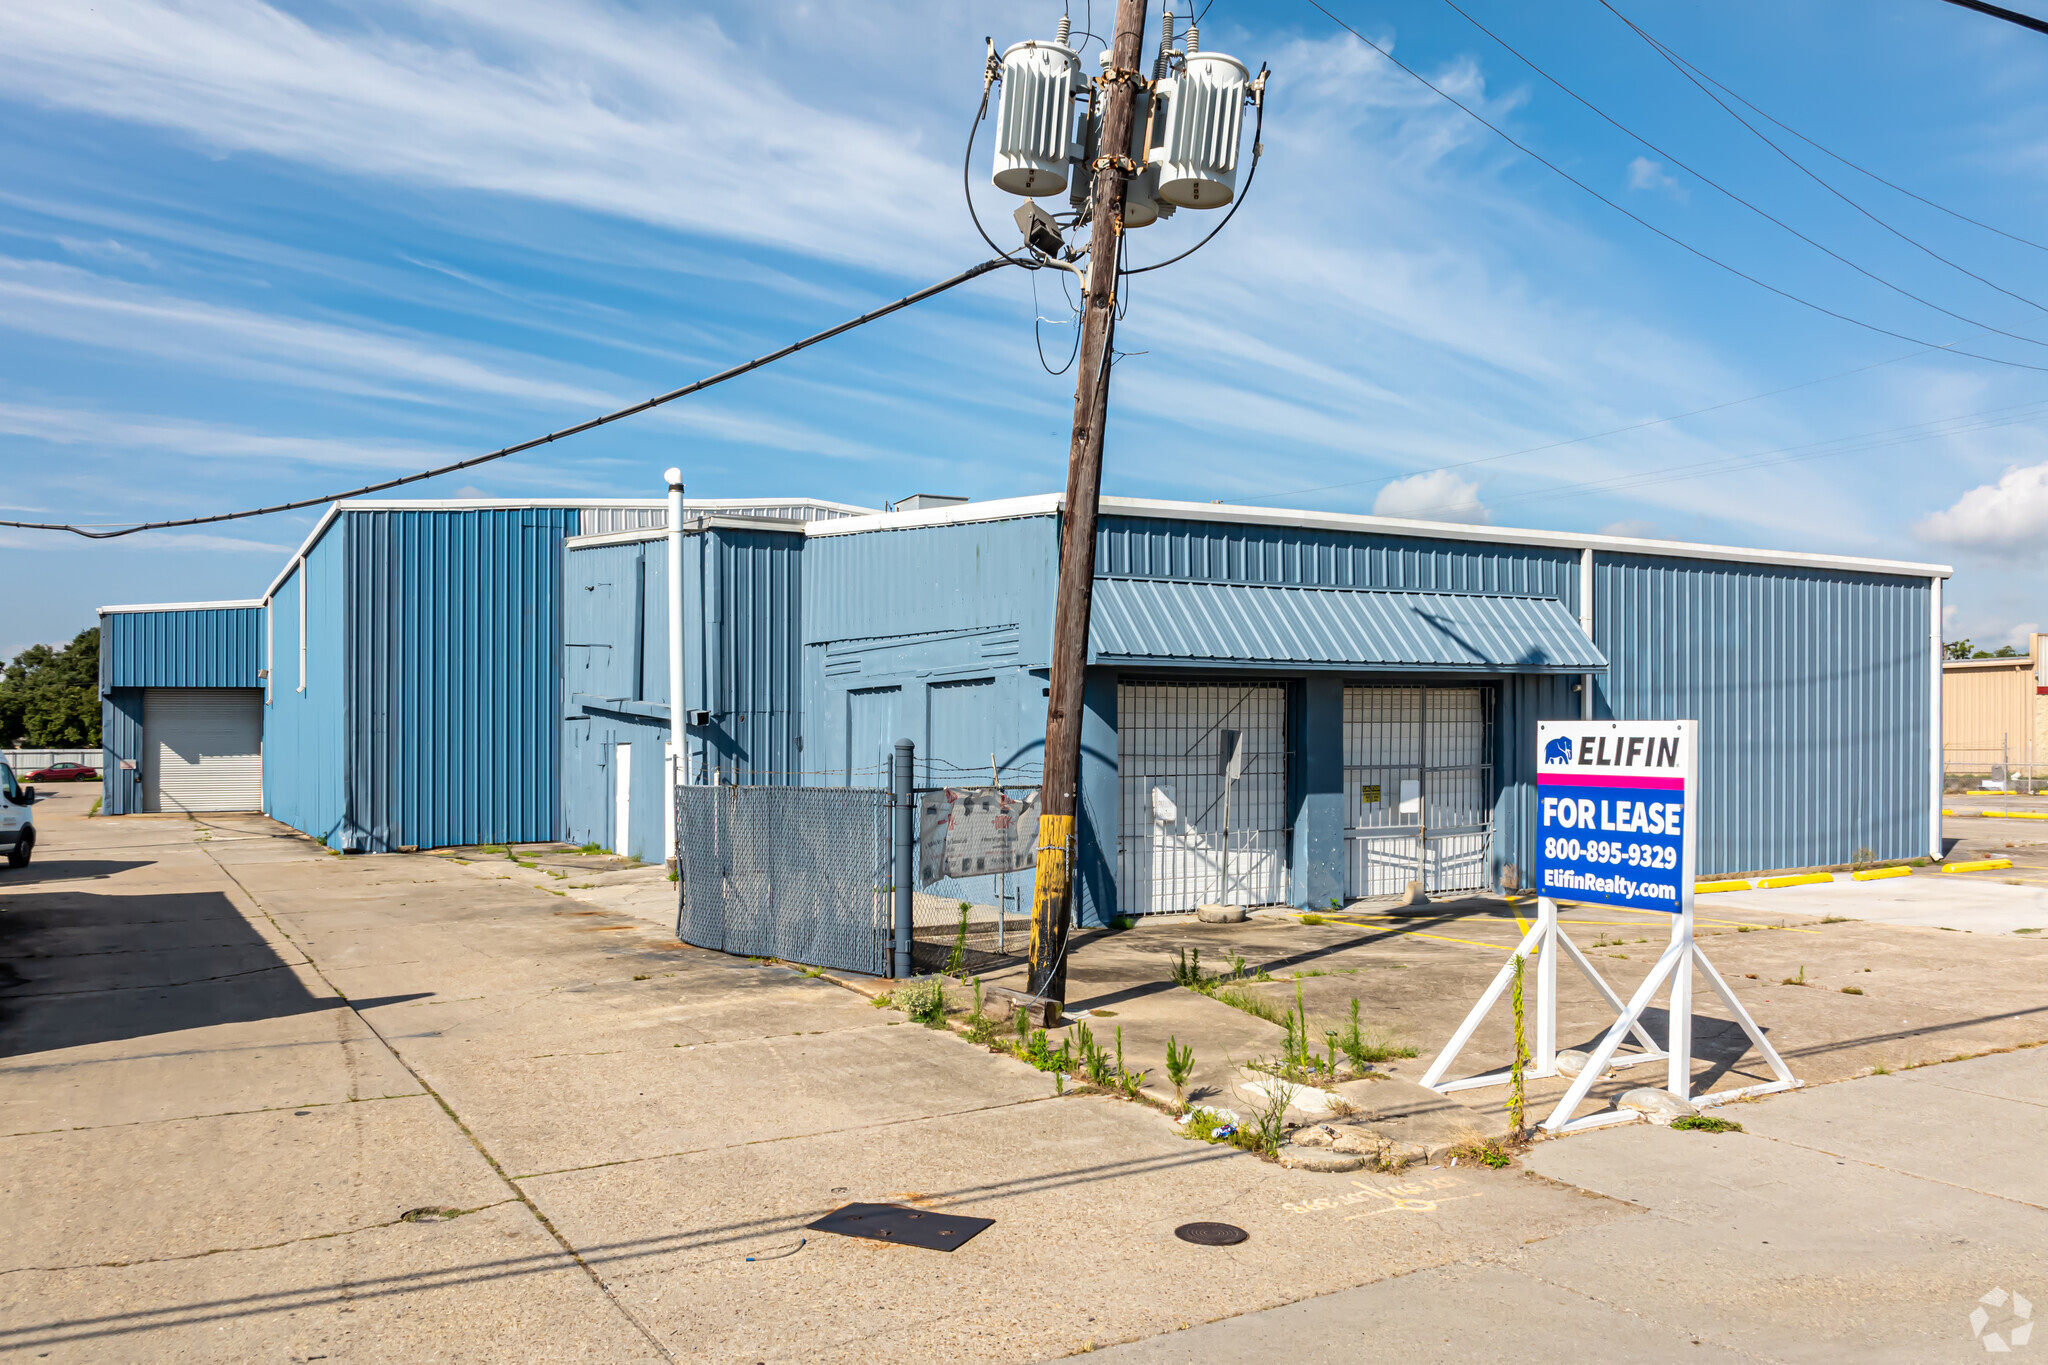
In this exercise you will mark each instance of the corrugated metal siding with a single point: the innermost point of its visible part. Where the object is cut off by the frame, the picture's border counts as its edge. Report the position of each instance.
(453, 650)
(305, 737)
(121, 736)
(755, 678)
(1987, 713)
(1141, 619)
(211, 647)
(1135, 547)
(932, 579)
(1523, 702)
(742, 594)
(1811, 689)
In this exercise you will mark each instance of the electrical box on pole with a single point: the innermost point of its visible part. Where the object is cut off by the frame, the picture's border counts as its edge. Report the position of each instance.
(1035, 120)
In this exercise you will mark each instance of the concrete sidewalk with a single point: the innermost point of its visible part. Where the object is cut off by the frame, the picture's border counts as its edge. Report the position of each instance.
(1862, 1222)
(267, 1103)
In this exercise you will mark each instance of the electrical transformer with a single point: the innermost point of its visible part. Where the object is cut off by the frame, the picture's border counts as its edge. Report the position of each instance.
(1034, 131)
(1200, 124)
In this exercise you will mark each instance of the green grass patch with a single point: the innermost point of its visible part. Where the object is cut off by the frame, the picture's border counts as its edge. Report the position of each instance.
(1250, 1001)
(1706, 1123)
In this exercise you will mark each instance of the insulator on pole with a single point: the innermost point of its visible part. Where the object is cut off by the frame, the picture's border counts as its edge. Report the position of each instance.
(1066, 29)
(1163, 64)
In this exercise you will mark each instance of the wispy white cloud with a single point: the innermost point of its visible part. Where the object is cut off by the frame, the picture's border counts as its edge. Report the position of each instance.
(75, 305)
(1645, 174)
(1439, 495)
(648, 114)
(113, 433)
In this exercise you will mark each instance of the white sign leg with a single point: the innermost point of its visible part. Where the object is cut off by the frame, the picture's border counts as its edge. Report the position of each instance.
(1678, 1076)
(1560, 1117)
(1546, 988)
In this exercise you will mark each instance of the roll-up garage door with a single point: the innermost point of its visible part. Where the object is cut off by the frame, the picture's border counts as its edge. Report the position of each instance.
(202, 748)
(1201, 795)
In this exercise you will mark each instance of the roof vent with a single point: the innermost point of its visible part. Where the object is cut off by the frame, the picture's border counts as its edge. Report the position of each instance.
(918, 502)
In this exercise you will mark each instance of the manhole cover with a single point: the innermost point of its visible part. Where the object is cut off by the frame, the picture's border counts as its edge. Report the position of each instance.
(895, 1223)
(1211, 1234)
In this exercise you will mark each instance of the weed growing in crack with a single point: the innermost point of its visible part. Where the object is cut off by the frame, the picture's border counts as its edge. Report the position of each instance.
(1180, 1064)
(956, 961)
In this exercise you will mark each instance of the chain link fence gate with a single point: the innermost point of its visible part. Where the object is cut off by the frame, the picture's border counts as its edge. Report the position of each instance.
(797, 873)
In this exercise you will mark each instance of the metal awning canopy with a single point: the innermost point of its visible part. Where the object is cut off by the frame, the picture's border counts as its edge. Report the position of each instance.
(1152, 621)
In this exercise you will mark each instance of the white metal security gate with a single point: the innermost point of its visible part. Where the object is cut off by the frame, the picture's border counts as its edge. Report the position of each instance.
(202, 748)
(1418, 799)
(1201, 795)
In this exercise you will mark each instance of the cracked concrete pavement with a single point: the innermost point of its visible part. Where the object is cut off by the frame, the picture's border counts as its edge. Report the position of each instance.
(265, 1103)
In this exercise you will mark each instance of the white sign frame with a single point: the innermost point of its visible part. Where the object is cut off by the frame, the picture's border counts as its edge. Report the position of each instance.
(1544, 941)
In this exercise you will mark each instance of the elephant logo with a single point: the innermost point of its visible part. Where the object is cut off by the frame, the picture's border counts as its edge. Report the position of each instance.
(1559, 750)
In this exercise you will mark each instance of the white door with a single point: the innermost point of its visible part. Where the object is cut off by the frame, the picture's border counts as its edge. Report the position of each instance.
(1399, 781)
(202, 748)
(622, 799)
(1201, 795)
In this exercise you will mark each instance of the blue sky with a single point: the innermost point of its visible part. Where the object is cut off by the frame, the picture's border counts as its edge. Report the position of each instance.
(251, 253)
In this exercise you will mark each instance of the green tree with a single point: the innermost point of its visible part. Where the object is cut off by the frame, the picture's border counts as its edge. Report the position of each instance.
(1957, 649)
(51, 697)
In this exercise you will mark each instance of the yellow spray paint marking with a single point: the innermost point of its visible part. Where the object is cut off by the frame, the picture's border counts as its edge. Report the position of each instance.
(1440, 938)
(1410, 1196)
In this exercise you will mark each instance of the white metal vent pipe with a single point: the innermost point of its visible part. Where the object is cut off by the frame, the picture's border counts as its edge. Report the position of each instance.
(673, 768)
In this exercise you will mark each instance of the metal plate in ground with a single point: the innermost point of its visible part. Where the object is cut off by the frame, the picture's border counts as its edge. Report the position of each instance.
(1211, 1234)
(895, 1223)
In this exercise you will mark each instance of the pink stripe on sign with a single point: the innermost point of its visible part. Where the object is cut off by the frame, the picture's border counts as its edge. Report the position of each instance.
(1662, 784)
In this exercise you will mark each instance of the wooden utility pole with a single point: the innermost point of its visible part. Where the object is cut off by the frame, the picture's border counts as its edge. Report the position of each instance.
(1051, 905)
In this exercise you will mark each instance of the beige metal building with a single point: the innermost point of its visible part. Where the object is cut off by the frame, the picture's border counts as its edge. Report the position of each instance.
(1994, 718)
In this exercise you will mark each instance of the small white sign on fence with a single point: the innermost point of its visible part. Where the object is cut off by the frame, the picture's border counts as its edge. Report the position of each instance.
(975, 831)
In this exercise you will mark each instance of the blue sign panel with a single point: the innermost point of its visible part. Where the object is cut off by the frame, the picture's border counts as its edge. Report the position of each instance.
(1614, 813)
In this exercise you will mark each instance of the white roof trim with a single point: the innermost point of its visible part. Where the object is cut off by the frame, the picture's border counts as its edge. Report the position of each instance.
(513, 504)
(694, 526)
(1047, 504)
(181, 606)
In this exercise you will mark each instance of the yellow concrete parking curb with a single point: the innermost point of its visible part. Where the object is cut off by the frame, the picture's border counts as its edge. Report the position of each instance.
(1735, 884)
(2014, 814)
(1803, 879)
(1988, 865)
(1880, 873)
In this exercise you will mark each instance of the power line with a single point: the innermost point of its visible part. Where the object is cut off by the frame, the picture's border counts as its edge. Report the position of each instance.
(1679, 242)
(1768, 117)
(1883, 438)
(91, 532)
(1680, 68)
(1999, 12)
(1598, 435)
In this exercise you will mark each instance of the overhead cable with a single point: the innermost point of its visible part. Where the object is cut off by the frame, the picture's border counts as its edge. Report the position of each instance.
(1678, 242)
(2001, 12)
(1884, 438)
(1769, 117)
(93, 531)
(1681, 68)
(1597, 435)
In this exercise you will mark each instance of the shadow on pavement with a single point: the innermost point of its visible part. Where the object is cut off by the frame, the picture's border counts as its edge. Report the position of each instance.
(80, 968)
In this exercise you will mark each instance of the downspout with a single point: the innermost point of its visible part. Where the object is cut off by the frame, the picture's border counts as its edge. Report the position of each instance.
(1586, 625)
(1935, 849)
(672, 765)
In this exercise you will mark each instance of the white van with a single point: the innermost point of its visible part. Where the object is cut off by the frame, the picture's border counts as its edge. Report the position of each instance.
(17, 819)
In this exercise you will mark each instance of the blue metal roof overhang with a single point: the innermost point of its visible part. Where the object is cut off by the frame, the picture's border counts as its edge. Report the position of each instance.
(1155, 621)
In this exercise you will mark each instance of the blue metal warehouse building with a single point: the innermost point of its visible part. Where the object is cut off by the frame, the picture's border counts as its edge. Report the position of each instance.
(431, 673)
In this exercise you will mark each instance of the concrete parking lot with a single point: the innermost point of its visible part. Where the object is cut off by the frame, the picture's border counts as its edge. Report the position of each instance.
(263, 1102)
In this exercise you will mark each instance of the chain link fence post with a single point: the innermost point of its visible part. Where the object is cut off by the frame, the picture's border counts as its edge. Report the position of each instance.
(901, 778)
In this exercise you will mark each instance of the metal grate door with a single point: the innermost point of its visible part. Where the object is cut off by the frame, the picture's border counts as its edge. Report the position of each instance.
(1418, 804)
(1201, 795)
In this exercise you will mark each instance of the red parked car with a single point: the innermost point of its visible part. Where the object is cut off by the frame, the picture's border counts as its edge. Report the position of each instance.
(64, 772)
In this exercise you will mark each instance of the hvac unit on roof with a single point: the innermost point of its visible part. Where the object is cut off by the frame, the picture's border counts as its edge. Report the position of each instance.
(1035, 120)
